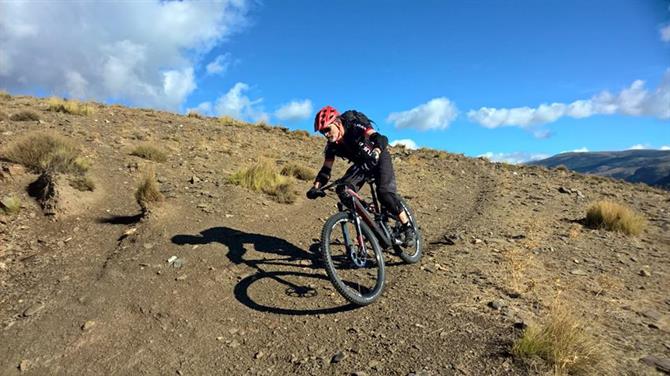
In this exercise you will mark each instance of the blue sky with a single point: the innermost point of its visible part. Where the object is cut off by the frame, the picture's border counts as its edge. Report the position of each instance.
(512, 80)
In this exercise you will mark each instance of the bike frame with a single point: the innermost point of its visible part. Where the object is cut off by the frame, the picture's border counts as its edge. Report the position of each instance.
(377, 227)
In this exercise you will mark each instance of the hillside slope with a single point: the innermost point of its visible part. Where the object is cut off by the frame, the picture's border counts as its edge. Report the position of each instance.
(90, 291)
(636, 166)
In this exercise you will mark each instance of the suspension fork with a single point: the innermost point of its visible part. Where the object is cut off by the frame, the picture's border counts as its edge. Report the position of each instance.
(348, 240)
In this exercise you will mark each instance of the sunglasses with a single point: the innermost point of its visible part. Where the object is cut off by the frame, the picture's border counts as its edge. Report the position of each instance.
(325, 130)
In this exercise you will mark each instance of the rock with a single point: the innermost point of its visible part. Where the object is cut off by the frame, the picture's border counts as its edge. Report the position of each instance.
(375, 365)
(33, 309)
(645, 273)
(661, 364)
(233, 344)
(88, 325)
(564, 190)
(514, 294)
(148, 245)
(181, 277)
(476, 241)
(338, 357)
(24, 365)
(578, 272)
(258, 355)
(520, 323)
(580, 194)
(360, 373)
(194, 179)
(497, 304)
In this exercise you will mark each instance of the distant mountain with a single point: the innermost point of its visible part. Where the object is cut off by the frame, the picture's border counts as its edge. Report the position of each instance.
(647, 166)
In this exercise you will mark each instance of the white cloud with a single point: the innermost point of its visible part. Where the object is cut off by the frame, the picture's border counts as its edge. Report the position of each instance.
(295, 110)
(638, 147)
(234, 103)
(633, 101)
(409, 144)
(581, 150)
(438, 113)
(665, 33)
(204, 108)
(665, 147)
(142, 52)
(514, 158)
(219, 65)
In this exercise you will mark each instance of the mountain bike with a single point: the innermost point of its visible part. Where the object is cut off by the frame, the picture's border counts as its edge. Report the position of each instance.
(353, 239)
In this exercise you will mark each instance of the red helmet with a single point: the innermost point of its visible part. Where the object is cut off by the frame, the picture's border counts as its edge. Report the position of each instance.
(324, 117)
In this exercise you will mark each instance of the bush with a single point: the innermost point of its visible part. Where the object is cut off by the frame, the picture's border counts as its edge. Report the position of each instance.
(10, 205)
(298, 171)
(564, 343)
(264, 177)
(4, 95)
(194, 114)
(24, 116)
(230, 121)
(46, 152)
(148, 193)
(301, 134)
(69, 107)
(149, 152)
(83, 183)
(614, 217)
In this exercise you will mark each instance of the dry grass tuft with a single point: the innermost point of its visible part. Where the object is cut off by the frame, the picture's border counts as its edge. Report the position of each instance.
(69, 107)
(149, 152)
(83, 183)
(10, 205)
(298, 171)
(148, 193)
(615, 217)
(263, 176)
(195, 114)
(284, 193)
(231, 121)
(24, 116)
(301, 135)
(4, 95)
(564, 343)
(46, 152)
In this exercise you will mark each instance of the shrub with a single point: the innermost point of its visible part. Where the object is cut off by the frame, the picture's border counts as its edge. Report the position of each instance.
(298, 171)
(149, 152)
(69, 107)
(148, 193)
(24, 116)
(264, 177)
(194, 114)
(301, 134)
(46, 152)
(10, 205)
(264, 126)
(614, 217)
(83, 183)
(4, 95)
(230, 121)
(564, 343)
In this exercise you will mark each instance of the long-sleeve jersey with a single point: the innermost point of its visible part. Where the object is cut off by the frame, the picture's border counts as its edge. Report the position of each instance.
(354, 145)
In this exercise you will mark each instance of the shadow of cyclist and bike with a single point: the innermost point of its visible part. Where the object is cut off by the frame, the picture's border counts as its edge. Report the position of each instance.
(288, 255)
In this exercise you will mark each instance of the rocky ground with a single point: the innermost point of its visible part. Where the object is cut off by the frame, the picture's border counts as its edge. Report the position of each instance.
(90, 291)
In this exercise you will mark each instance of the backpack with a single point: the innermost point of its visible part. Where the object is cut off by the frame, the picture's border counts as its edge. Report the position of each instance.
(352, 118)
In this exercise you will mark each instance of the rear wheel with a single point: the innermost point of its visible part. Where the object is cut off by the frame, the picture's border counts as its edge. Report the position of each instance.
(354, 266)
(411, 254)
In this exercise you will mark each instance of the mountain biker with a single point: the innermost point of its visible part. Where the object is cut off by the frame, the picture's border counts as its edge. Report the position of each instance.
(351, 136)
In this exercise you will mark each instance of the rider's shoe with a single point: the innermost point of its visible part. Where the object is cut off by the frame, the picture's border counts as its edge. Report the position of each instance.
(408, 235)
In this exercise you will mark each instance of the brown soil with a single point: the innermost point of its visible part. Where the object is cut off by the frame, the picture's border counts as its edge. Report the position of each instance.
(90, 291)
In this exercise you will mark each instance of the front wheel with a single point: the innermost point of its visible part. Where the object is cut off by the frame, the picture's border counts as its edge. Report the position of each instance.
(410, 255)
(355, 264)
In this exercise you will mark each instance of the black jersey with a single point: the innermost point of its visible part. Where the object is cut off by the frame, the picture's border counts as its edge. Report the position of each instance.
(353, 146)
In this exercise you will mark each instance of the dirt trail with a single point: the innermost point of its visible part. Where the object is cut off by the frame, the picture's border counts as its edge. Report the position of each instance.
(92, 293)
